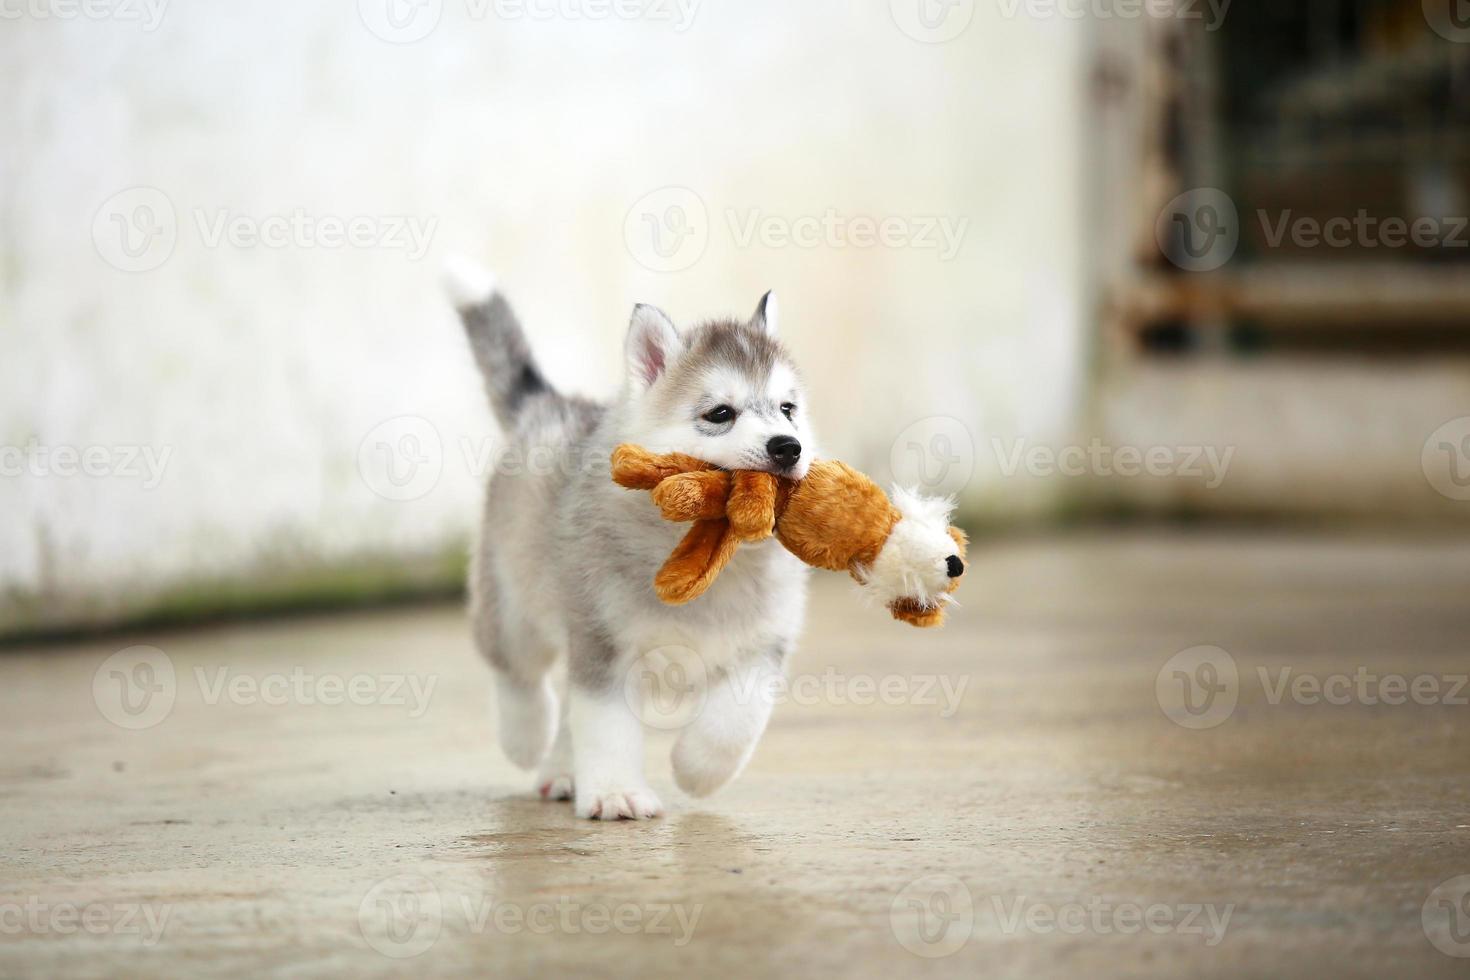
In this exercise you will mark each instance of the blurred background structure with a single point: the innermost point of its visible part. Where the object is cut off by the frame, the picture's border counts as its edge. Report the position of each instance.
(1055, 258)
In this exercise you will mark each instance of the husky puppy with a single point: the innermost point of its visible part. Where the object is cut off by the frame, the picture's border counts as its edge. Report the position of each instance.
(564, 566)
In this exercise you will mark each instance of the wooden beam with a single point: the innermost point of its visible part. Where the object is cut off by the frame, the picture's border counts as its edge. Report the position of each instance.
(1304, 295)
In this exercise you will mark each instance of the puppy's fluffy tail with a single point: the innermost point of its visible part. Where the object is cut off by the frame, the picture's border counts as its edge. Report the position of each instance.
(512, 379)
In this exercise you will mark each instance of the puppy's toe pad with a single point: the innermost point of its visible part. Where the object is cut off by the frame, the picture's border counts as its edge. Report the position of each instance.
(627, 804)
(556, 787)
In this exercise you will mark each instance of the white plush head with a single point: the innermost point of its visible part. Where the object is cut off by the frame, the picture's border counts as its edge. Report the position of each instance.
(922, 560)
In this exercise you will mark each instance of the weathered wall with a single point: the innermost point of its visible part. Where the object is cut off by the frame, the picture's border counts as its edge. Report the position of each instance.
(258, 374)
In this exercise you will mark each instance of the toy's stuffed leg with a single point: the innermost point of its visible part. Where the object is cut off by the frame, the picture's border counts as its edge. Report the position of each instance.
(697, 559)
(717, 744)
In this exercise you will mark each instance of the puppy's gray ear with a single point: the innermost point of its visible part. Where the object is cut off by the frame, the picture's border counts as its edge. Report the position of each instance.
(766, 314)
(652, 345)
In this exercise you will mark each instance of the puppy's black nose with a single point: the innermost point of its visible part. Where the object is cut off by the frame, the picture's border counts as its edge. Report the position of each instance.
(954, 566)
(784, 451)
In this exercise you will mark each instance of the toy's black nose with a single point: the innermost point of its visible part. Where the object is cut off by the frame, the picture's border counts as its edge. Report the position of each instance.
(954, 566)
(784, 451)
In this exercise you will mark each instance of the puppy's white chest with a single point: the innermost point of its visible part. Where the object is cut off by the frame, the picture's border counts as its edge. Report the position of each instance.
(756, 603)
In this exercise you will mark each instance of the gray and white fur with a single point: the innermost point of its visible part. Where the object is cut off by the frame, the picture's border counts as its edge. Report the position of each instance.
(564, 566)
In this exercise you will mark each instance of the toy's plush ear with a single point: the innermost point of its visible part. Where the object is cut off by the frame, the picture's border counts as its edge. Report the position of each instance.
(651, 347)
(766, 314)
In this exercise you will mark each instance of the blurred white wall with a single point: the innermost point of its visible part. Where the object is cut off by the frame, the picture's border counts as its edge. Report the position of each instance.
(254, 378)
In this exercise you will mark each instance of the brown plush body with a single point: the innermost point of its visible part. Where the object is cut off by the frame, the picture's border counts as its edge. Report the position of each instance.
(835, 518)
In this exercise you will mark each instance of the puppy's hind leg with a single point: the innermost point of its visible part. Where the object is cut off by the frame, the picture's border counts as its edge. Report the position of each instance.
(528, 718)
(526, 700)
(554, 781)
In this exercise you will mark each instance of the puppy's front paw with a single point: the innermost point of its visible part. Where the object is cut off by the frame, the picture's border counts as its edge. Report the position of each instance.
(703, 765)
(636, 803)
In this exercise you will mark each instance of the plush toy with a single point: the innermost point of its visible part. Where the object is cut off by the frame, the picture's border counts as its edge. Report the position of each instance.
(903, 552)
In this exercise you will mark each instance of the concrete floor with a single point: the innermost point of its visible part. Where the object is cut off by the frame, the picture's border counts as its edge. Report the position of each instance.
(1056, 822)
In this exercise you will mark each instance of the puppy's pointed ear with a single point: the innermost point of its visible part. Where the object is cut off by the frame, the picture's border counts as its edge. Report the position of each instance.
(766, 314)
(652, 345)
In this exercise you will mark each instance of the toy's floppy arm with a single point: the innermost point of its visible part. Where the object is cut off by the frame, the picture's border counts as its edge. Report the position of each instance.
(726, 508)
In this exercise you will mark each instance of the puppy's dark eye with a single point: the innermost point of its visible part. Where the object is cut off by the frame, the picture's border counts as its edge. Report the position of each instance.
(719, 415)
(788, 410)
